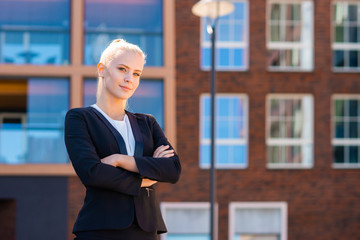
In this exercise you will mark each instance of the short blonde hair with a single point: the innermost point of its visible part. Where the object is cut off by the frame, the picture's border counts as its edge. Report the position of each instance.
(116, 47)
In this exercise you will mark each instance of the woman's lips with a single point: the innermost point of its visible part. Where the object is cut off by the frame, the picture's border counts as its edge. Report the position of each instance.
(125, 88)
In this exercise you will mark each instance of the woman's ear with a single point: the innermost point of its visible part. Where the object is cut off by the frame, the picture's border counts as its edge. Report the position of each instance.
(100, 69)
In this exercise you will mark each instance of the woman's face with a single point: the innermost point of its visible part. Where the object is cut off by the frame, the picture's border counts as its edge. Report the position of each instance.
(121, 77)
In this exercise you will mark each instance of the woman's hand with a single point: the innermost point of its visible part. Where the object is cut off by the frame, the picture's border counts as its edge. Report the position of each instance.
(163, 152)
(111, 160)
(147, 182)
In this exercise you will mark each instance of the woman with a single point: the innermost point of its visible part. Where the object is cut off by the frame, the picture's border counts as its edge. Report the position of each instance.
(118, 155)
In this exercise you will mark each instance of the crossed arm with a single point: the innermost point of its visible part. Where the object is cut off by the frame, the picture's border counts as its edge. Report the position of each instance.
(128, 162)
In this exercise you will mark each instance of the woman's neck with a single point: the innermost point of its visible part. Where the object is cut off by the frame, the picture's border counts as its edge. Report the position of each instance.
(114, 109)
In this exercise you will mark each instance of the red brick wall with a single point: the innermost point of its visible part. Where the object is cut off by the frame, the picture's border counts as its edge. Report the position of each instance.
(323, 203)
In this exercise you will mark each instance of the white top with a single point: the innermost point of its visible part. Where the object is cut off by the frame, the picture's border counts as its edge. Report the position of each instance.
(124, 128)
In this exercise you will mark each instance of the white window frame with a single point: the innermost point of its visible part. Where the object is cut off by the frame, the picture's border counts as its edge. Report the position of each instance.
(227, 44)
(189, 205)
(239, 141)
(288, 141)
(288, 45)
(344, 141)
(233, 206)
(343, 46)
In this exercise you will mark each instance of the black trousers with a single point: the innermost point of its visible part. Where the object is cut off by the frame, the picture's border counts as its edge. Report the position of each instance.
(134, 232)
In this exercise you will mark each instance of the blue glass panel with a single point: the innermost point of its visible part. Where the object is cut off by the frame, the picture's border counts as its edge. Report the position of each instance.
(124, 19)
(223, 127)
(223, 33)
(239, 154)
(205, 154)
(37, 34)
(238, 32)
(35, 132)
(223, 57)
(148, 98)
(205, 57)
(222, 106)
(239, 11)
(239, 57)
(222, 154)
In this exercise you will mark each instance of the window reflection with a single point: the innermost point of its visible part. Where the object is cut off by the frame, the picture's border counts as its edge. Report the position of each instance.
(108, 20)
(148, 98)
(37, 34)
(32, 115)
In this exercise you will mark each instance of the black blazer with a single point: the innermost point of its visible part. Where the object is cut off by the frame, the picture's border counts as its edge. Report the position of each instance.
(114, 195)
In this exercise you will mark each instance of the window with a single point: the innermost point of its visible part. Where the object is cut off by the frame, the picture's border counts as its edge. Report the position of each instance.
(107, 20)
(346, 36)
(258, 221)
(231, 40)
(346, 131)
(186, 221)
(34, 31)
(231, 133)
(148, 98)
(32, 113)
(290, 131)
(290, 35)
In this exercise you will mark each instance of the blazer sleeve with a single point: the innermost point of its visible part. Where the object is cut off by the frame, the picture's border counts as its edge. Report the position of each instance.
(86, 161)
(159, 169)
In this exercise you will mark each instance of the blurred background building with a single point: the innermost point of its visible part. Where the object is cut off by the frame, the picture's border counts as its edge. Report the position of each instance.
(288, 113)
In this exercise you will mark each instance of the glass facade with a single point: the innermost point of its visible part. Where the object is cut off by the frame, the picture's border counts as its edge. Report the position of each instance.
(290, 38)
(32, 113)
(108, 20)
(35, 32)
(290, 131)
(346, 130)
(231, 42)
(230, 133)
(346, 36)
(148, 98)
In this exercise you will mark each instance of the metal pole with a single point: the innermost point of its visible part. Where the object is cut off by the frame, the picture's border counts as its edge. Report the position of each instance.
(212, 146)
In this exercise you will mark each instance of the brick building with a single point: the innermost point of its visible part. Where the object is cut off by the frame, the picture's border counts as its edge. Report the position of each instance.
(288, 127)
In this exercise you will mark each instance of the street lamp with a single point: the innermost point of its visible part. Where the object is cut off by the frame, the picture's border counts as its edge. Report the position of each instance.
(212, 10)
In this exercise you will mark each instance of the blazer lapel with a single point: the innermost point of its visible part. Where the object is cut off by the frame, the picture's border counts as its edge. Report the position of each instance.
(139, 143)
(117, 135)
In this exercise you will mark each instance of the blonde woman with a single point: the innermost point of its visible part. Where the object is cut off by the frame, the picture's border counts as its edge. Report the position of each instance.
(119, 155)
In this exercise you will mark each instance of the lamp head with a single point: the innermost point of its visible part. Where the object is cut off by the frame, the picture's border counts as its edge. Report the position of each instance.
(212, 8)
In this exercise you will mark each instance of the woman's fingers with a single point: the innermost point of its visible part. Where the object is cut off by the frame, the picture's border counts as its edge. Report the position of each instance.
(163, 152)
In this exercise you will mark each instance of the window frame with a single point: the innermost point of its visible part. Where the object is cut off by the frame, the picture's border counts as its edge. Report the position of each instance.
(240, 141)
(343, 46)
(289, 45)
(218, 45)
(280, 141)
(233, 206)
(344, 141)
(190, 205)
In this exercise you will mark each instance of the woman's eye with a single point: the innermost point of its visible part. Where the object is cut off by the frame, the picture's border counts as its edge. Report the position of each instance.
(122, 69)
(136, 74)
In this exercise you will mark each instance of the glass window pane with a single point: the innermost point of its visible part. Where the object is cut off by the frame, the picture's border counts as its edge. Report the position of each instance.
(353, 108)
(353, 35)
(239, 57)
(353, 129)
(339, 129)
(339, 154)
(124, 19)
(223, 57)
(275, 11)
(339, 108)
(353, 13)
(39, 34)
(354, 59)
(230, 128)
(354, 154)
(32, 120)
(275, 32)
(339, 58)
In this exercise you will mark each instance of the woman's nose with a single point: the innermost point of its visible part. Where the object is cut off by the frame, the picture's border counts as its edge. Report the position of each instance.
(128, 77)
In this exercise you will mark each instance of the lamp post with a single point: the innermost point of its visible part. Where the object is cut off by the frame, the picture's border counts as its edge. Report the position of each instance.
(212, 10)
